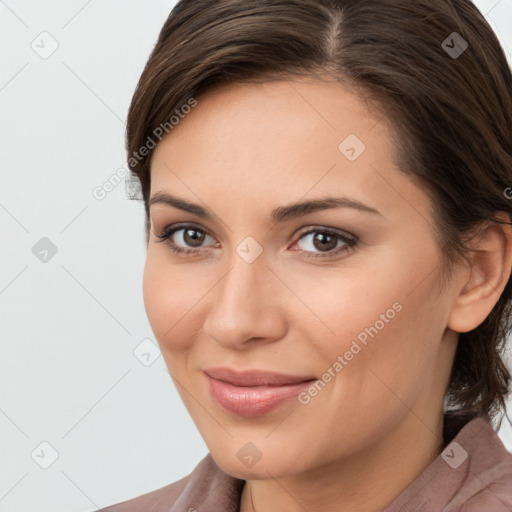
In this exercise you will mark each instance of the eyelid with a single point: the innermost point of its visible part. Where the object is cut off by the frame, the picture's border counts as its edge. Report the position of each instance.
(328, 229)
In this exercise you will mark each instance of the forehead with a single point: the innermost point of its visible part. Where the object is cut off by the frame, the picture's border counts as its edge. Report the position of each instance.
(279, 141)
(304, 112)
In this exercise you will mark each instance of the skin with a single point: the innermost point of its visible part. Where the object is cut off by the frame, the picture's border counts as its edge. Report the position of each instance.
(242, 151)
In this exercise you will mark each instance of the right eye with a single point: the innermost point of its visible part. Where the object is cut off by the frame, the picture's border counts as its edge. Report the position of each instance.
(190, 235)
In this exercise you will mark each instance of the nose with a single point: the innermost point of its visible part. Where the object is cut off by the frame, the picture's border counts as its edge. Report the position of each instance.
(248, 306)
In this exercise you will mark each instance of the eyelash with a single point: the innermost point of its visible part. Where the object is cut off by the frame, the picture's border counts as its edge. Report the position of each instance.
(349, 241)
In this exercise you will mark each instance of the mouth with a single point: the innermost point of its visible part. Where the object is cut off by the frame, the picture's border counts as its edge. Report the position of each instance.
(251, 378)
(255, 392)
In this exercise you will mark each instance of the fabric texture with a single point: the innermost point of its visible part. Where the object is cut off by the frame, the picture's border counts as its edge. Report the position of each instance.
(472, 474)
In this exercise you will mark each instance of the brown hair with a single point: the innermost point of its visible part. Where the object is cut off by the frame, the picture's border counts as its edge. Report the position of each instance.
(450, 107)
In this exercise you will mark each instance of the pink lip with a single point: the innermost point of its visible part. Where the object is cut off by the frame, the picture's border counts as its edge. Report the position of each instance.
(253, 393)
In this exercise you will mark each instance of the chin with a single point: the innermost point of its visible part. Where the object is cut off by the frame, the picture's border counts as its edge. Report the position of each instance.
(263, 469)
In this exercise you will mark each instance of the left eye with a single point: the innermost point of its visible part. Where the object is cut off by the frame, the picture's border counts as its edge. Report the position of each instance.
(324, 240)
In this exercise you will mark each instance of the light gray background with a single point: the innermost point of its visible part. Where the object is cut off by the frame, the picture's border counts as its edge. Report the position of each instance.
(68, 374)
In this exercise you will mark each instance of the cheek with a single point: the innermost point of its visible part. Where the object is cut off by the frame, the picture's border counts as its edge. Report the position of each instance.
(163, 294)
(391, 348)
(154, 294)
(339, 305)
(172, 297)
(380, 320)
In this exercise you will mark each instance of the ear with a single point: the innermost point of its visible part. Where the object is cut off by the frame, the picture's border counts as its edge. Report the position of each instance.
(490, 264)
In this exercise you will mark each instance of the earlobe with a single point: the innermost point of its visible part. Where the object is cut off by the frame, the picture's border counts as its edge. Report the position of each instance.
(480, 286)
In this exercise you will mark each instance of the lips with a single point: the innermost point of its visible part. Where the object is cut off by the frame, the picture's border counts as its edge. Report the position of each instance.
(255, 377)
(253, 393)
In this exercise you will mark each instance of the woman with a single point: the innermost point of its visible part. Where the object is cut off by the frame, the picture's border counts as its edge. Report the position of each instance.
(329, 251)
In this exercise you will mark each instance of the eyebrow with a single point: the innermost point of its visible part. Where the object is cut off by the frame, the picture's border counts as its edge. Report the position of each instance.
(279, 214)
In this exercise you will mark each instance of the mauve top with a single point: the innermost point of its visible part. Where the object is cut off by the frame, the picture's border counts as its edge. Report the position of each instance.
(472, 474)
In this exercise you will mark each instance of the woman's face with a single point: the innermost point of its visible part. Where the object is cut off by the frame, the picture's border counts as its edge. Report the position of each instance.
(347, 294)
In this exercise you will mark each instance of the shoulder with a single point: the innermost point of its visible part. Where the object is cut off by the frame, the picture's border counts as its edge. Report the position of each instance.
(488, 478)
(206, 488)
(488, 482)
(495, 497)
(472, 474)
(168, 494)
(480, 470)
